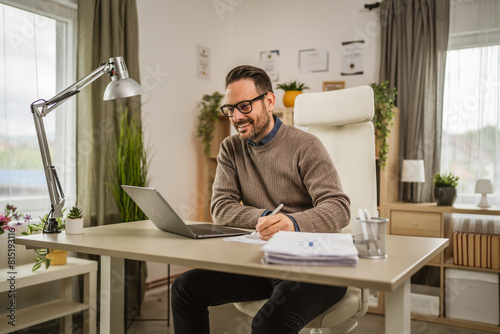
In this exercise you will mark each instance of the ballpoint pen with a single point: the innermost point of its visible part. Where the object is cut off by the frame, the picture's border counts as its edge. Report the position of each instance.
(362, 224)
(254, 233)
(373, 231)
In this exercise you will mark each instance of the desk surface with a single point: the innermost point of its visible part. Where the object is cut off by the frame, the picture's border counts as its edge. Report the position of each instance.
(143, 241)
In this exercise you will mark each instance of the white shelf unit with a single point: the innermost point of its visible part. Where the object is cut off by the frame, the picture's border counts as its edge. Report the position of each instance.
(63, 307)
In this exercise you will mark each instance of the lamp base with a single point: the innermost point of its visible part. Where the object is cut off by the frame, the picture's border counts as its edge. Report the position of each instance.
(51, 226)
(484, 202)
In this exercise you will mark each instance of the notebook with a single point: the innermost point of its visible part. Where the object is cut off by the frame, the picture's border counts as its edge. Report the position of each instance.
(165, 218)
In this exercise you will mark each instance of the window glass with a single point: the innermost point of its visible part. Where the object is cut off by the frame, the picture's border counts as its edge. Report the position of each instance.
(471, 118)
(34, 62)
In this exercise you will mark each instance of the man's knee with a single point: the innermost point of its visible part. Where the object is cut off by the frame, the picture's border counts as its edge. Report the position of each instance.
(183, 285)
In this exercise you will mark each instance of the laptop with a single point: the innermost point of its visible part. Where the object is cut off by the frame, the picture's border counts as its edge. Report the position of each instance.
(165, 218)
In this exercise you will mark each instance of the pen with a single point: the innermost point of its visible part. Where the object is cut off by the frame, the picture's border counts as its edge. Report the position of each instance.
(362, 224)
(373, 231)
(254, 233)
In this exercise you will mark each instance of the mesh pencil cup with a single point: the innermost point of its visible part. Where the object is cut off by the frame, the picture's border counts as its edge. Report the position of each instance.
(370, 237)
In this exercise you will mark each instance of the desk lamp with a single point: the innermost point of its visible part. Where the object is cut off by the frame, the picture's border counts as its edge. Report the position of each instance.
(483, 187)
(413, 171)
(121, 86)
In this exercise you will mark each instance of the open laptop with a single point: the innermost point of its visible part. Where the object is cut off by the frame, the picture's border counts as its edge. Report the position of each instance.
(165, 218)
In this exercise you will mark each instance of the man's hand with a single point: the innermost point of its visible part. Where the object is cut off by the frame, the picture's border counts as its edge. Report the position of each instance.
(267, 226)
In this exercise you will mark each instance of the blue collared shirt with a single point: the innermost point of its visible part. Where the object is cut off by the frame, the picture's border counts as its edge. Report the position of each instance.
(270, 135)
(264, 141)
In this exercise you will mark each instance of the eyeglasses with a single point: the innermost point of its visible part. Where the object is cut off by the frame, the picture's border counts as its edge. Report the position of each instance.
(244, 107)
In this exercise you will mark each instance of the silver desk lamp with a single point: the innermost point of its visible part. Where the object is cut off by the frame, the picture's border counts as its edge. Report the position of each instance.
(121, 86)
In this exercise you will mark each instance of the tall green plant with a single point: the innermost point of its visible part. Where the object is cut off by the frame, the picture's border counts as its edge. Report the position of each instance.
(383, 120)
(130, 166)
(209, 114)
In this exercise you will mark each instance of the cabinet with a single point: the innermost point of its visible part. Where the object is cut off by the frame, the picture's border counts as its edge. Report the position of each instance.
(13, 280)
(431, 220)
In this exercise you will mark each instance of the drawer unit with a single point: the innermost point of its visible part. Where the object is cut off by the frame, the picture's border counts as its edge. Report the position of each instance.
(420, 224)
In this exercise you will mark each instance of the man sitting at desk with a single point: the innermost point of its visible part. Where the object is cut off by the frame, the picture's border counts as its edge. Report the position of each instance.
(265, 164)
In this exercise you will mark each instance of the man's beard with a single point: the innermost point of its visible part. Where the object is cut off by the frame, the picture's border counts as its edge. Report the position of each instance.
(258, 128)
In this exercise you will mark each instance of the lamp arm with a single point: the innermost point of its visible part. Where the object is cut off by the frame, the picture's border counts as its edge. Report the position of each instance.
(42, 108)
(55, 190)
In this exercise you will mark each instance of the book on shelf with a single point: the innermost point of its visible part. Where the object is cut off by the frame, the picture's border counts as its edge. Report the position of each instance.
(476, 250)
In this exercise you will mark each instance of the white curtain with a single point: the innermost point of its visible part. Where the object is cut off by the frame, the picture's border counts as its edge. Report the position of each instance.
(471, 107)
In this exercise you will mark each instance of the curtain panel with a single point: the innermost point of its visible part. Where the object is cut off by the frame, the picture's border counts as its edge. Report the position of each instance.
(414, 37)
(106, 28)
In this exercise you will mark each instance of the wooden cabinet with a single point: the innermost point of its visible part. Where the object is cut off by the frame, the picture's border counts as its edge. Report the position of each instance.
(431, 220)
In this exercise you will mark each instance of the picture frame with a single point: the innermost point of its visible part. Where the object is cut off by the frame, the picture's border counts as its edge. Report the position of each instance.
(333, 85)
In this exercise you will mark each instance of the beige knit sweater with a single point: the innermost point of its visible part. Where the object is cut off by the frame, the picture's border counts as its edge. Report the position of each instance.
(294, 169)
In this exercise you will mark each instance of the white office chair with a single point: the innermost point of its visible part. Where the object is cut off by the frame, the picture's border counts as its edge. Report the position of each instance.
(342, 120)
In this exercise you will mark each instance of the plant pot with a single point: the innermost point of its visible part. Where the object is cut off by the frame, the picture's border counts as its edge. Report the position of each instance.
(289, 97)
(445, 195)
(74, 226)
(57, 256)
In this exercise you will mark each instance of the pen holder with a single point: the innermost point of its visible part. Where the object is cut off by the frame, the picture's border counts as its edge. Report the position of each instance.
(370, 237)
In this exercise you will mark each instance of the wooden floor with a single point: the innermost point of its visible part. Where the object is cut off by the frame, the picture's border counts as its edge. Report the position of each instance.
(227, 320)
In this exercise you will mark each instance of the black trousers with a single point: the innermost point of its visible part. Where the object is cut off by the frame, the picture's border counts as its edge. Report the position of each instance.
(290, 307)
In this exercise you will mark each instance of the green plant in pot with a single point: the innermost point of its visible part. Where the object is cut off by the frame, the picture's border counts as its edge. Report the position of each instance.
(74, 221)
(208, 116)
(384, 99)
(445, 191)
(292, 90)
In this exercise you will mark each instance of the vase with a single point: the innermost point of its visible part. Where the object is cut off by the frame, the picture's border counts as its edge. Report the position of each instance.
(57, 256)
(74, 226)
(445, 195)
(289, 97)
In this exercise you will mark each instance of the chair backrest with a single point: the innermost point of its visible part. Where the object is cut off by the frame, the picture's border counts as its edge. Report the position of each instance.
(341, 119)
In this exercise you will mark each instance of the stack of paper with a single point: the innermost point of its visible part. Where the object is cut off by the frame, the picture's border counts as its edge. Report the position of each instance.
(301, 248)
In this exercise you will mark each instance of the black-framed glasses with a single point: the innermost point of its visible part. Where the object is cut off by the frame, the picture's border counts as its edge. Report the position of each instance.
(243, 107)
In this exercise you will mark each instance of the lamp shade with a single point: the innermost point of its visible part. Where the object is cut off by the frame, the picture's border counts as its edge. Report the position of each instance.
(121, 85)
(413, 171)
(484, 186)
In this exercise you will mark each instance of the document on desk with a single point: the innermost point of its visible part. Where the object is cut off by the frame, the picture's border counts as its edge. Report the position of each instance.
(326, 249)
(247, 239)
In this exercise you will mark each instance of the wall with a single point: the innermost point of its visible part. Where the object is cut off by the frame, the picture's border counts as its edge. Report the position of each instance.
(236, 31)
(293, 25)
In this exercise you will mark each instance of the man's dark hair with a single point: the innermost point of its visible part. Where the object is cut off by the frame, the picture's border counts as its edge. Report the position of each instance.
(259, 76)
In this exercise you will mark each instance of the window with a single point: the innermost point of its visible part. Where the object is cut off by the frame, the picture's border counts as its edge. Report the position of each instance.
(471, 107)
(37, 52)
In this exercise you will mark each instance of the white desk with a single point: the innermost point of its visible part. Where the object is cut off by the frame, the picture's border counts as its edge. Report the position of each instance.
(142, 241)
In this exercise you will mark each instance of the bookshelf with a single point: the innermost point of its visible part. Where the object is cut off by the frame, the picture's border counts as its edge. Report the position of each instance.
(431, 220)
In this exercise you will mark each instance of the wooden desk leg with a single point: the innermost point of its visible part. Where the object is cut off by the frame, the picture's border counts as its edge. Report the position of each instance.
(112, 292)
(397, 310)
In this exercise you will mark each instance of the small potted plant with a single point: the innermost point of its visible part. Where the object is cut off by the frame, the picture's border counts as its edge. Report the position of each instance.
(292, 90)
(445, 191)
(74, 221)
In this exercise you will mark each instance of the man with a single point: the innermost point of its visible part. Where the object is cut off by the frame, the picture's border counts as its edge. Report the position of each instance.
(265, 164)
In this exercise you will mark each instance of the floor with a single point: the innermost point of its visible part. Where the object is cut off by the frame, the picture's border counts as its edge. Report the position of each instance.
(227, 320)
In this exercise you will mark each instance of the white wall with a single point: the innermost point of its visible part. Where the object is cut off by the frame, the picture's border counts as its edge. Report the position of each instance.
(293, 25)
(236, 31)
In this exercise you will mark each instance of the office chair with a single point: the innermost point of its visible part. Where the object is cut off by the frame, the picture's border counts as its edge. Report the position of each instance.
(341, 119)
